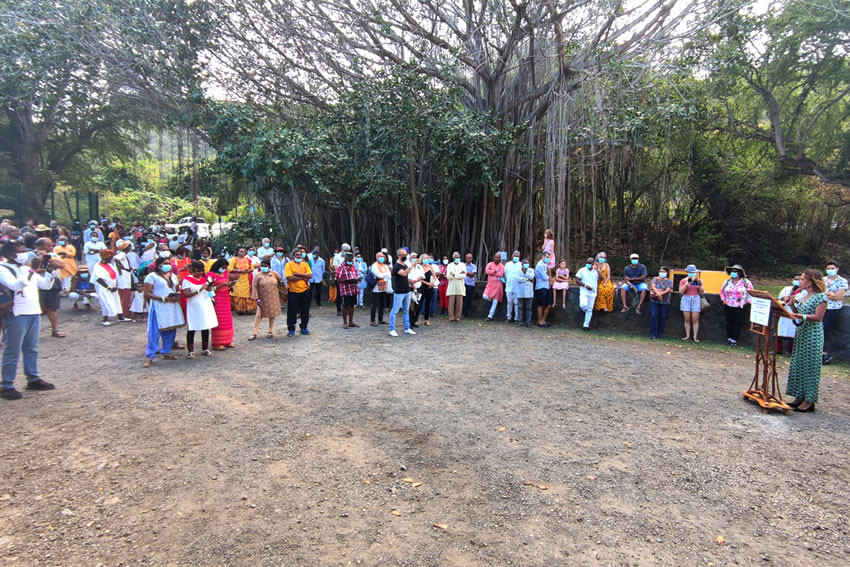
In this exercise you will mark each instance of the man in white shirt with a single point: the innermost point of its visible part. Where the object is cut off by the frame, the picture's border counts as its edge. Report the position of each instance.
(265, 251)
(512, 266)
(588, 280)
(24, 320)
(91, 250)
(414, 278)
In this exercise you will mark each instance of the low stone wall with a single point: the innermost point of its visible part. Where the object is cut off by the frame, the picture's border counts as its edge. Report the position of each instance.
(712, 322)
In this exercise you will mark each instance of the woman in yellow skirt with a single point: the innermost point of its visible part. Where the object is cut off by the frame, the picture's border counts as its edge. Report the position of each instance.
(605, 295)
(240, 298)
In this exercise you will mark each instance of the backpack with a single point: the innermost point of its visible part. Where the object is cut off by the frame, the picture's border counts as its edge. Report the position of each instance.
(371, 279)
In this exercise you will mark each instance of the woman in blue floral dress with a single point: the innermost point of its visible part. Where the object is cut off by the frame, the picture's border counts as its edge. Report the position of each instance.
(804, 375)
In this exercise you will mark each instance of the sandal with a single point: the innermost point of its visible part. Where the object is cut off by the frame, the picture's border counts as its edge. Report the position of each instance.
(427, 323)
(169, 357)
(373, 324)
(270, 335)
(58, 335)
(220, 347)
(207, 353)
(147, 363)
(354, 325)
(191, 356)
(231, 345)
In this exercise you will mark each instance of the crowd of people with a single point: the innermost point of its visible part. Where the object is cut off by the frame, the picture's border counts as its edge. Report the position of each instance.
(173, 280)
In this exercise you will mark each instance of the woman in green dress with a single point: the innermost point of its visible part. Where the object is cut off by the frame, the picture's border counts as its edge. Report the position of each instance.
(806, 359)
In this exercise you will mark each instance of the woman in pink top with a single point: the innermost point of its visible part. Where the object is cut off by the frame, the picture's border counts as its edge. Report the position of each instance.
(495, 289)
(736, 297)
(549, 246)
(562, 282)
(691, 289)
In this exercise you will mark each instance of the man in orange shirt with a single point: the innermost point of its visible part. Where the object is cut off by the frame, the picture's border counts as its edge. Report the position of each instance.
(298, 275)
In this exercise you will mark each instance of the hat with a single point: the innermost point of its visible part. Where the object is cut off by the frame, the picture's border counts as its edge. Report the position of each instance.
(691, 268)
(737, 267)
(106, 254)
(122, 244)
(42, 228)
(634, 256)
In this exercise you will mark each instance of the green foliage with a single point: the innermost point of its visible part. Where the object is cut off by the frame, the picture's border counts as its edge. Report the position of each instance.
(149, 206)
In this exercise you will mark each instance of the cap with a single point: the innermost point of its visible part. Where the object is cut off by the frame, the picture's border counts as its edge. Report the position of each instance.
(634, 256)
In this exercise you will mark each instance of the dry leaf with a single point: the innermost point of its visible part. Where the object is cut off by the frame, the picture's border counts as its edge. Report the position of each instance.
(542, 487)
(501, 429)
(441, 526)
(307, 435)
(591, 477)
(396, 513)
(720, 540)
(627, 444)
(408, 479)
(668, 352)
(416, 484)
(528, 483)
(367, 481)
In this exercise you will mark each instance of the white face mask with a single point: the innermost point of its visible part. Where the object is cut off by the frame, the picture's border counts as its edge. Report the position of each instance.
(22, 258)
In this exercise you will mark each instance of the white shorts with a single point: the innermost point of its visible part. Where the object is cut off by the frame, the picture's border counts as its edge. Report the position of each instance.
(690, 304)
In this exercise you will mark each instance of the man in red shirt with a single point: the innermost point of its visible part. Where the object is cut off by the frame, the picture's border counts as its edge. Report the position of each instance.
(347, 279)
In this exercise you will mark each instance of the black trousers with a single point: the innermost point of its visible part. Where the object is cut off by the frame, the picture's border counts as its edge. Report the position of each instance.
(735, 317)
(380, 302)
(426, 302)
(830, 318)
(467, 300)
(298, 303)
(316, 289)
(190, 340)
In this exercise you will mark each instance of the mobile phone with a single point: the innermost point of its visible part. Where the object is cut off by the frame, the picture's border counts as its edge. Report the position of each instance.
(45, 261)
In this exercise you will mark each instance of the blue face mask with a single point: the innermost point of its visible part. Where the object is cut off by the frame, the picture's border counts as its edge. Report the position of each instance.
(830, 272)
(603, 260)
(516, 260)
(525, 265)
(165, 268)
(84, 276)
(692, 275)
(796, 283)
(634, 262)
(349, 263)
(222, 270)
(279, 254)
(733, 275)
(662, 274)
(457, 260)
(264, 269)
(298, 260)
(589, 266)
(382, 260)
(252, 253)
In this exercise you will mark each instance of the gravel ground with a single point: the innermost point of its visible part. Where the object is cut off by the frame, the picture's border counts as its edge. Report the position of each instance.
(470, 444)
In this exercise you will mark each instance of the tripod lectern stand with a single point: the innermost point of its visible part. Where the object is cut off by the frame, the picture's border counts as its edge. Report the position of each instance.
(764, 322)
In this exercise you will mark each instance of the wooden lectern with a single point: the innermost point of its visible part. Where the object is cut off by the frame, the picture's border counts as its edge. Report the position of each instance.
(765, 313)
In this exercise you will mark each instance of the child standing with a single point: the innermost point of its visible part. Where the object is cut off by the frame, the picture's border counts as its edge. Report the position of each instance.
(139, 305)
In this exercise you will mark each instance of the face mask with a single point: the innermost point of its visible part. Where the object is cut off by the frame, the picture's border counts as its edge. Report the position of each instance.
(457, 260)
(266, 244)
(279, 254)
(20, 239)
(165, 254)
(796, 283)
(733, 275)
(252, 253)
(602, 260)
(589, 266)
(298, 260)
(403, 259)
(662, 274)
(315, 254)
(94, 239)
(264, 269)
(61, 243)
(22, 258)
(516, 260)
(349, 263)
(634, 262)
(830, 272)
(382, 260)
(84, 276)
(165, 268)
(692, 275)
(221, 270)
(525, 265)
(445, 262)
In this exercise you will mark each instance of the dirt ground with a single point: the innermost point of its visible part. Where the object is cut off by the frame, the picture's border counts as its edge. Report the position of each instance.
(470, 444)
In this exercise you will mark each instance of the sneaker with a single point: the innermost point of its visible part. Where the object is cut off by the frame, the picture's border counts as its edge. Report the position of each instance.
(585, 328)
(409, 332)
(106, 323)
(305, 332)
(733, 343)
(393, 334)
(290, 334)
(40, 385)
(11, 394)
(414, 325)
(826, 360)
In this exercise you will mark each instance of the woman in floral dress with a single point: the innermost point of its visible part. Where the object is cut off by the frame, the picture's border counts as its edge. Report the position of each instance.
(806, 361)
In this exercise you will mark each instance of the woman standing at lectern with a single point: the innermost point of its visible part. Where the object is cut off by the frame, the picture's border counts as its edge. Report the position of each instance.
(804, 375)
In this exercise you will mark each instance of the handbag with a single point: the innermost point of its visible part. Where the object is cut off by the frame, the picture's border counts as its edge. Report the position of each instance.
(704, 305)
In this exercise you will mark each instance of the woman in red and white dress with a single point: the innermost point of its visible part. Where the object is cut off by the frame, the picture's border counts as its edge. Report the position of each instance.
(105, 277)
